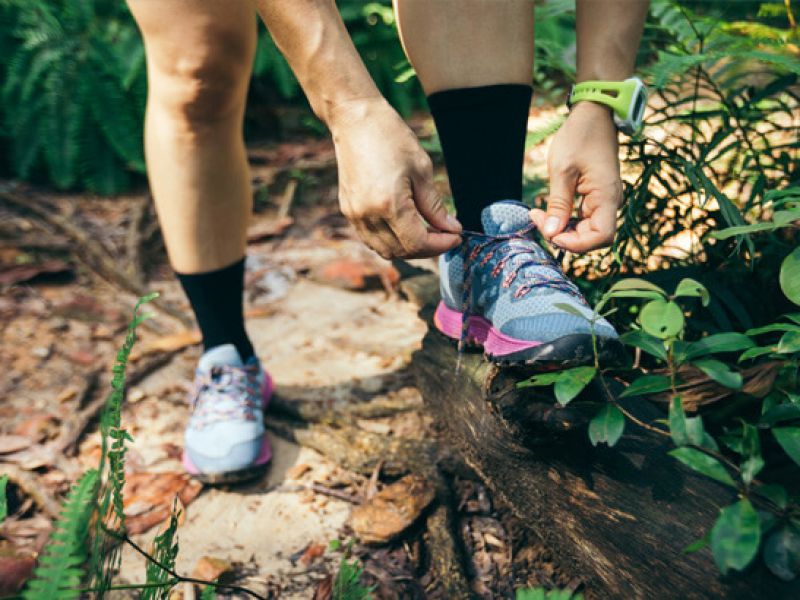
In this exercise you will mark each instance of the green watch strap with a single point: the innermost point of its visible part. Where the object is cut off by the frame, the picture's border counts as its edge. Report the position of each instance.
(615, 94)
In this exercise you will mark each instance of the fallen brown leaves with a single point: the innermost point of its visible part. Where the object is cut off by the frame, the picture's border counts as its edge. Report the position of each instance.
(149, 497)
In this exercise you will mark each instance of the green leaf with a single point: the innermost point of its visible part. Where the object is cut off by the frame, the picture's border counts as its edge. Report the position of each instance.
(633, 283)
(750, 468)
(569, 308)
(703, 463)
(677, 423)
(646, 384)
(572, 382)
(772, 328)
(782, 553)
(736, 536)
(542, 379)
(607, 426)
(789, 343)
(719, 372)
(698, 544)
(782, 412)
(698, 435)
(3, 499)
(789, 439)
(775, 493)
(718, 342)
(650, 344)
(790, 276)
(209, 593)
(756, 352)
(662, 319)
(690, 287)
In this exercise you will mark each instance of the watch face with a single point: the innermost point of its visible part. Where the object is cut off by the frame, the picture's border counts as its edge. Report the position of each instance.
(639, 104)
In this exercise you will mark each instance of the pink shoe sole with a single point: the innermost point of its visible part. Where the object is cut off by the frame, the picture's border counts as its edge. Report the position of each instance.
(479, 332)
(254, 470)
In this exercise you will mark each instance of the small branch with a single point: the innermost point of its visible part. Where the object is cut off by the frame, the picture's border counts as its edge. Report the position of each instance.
(172, 573)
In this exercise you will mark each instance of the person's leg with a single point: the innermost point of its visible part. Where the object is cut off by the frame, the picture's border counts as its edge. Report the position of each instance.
(199, 56)
(474, 59)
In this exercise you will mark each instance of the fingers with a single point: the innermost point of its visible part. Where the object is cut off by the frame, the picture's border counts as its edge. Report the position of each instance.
(595, 231)
(428, 202)
(559, 203)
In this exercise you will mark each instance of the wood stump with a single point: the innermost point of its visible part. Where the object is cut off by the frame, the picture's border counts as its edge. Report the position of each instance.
(618, 517)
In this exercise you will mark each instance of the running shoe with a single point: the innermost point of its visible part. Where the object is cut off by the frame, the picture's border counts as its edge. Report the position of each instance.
(505, 293)
(224, 440)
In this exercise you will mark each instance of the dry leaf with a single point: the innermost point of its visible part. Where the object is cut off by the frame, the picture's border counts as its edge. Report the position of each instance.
(149, 497)
(355, 274)
(209, 568)
(392, 510)
(312, 553)
(297, 471)
(324, 589)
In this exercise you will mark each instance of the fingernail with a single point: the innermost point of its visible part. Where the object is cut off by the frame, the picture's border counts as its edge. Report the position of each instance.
(453, 222)
(551, 225)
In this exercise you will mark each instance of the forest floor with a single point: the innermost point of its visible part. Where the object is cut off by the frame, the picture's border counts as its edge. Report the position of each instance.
(331, 324)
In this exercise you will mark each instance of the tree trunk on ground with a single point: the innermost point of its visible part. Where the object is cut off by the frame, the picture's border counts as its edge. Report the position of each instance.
(618, 517)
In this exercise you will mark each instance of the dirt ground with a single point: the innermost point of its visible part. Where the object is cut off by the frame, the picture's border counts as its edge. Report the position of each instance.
(328, 320)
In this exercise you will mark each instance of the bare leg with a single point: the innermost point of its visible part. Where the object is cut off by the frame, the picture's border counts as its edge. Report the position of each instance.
(199, 54)
(467, 43)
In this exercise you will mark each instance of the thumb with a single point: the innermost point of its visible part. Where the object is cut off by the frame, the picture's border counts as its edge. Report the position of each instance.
(559, 203)
(430, 205)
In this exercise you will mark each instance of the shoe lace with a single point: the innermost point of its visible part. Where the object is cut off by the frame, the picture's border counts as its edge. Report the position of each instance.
(512, 250)
(225, 393)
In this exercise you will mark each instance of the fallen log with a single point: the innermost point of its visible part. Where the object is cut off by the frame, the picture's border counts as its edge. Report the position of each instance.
(619, 517)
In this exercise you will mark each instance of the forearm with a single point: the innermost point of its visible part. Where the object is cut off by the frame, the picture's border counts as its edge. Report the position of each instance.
(312, 37)
(609, 32)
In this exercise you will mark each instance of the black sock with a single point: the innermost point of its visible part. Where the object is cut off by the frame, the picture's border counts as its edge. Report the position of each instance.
(482, 132)
(217, 300)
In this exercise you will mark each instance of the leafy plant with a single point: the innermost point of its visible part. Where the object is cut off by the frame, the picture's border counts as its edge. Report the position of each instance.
(73, 94)
(61, 567)
(84, 547)
(3, 498)
(541, 593)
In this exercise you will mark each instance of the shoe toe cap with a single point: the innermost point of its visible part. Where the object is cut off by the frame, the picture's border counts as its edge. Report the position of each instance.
(224, 447)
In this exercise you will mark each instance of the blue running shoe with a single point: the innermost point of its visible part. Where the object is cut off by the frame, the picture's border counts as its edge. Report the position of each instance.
(500, 290)
(224, 440)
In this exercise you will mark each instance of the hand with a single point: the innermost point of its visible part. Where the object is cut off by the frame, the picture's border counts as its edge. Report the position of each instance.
(583, 160)
(386, 183)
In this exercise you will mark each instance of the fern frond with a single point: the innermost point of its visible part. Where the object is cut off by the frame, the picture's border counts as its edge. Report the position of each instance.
(104, 557)
(165, 552)
(347, 584)
(3, 499)
(60, 570)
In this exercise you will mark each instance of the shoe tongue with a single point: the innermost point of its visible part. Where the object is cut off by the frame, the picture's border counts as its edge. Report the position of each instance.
(504, 217)
(225, 355)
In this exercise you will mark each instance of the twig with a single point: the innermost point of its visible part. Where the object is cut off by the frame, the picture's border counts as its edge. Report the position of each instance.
(175, 575)
(326, 491)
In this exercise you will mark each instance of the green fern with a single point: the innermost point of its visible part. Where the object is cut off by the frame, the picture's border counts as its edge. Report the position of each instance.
(3, 499)
(104, 558)
(60, 569)
(73, 93)
(347, 584)
(166, 551)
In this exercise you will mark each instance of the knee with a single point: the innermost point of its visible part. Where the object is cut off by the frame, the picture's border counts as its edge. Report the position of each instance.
(200, 90)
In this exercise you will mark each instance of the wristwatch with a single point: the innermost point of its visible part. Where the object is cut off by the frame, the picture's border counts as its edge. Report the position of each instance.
(627, 100)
